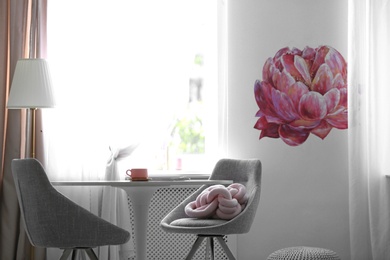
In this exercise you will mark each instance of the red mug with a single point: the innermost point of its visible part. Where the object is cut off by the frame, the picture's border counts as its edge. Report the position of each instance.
(138, 173)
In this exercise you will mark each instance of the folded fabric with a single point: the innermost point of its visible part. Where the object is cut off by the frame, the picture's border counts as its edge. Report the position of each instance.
(218, 201)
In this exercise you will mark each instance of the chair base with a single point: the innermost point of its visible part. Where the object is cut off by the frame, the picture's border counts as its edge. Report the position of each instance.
(91, 254)
(210, 246)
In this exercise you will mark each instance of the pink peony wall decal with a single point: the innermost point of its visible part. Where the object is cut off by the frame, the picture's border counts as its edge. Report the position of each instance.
(302, 92)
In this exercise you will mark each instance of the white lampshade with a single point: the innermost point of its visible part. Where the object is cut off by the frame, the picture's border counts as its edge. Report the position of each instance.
(31, 85)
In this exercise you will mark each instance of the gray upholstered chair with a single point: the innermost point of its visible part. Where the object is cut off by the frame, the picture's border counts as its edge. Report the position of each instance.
(246, 172)
(52, 220)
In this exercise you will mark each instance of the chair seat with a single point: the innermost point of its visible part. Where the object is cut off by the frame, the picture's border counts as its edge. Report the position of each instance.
(303, 253)
(196, 222)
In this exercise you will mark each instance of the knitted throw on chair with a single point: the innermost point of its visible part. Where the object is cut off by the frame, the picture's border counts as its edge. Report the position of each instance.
(218, 201)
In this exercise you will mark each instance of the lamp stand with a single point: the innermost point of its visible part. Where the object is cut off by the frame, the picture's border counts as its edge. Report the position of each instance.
(30, 144)
(33, 133)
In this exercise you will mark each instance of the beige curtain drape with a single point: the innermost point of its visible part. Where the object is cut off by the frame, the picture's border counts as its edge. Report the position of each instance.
(22, 35)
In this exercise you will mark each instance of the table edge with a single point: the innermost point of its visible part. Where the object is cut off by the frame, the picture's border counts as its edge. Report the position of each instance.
(125, 183)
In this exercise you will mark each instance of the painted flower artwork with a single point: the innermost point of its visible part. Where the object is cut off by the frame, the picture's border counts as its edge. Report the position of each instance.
(302, 92)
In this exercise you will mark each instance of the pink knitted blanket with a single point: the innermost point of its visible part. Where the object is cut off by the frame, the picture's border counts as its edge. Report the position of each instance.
(218, 201)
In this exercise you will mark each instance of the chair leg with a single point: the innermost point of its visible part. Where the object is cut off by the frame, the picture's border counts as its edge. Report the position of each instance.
(209, 248)
(225, 248)
(207, 251)
(91, 254)
(82, 255)
(74, 253)
(211, 240)
(66, 254)
(195, 247)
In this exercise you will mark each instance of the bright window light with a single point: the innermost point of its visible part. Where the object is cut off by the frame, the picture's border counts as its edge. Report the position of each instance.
(130, 71)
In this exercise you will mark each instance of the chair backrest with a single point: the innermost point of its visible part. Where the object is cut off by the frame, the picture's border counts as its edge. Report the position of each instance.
(248, 173)
(51, 219)
(32, 188)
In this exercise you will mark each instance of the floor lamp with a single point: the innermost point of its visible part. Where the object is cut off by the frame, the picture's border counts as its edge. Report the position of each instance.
(31, 89)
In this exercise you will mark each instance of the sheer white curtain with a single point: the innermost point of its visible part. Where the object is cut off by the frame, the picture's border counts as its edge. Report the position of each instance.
(121, 69)
(369, 126)
(113, 205)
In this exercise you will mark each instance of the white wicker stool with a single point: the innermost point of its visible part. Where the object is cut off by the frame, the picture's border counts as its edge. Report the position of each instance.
(303, 253)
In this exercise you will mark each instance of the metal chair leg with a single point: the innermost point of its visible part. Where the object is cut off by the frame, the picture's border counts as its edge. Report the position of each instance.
(225, 248)
(195, 247)
(82, 255)
(210, 247)
(91, 254)
(211, 240)
(66, 254)
(74, 253)
(207, 251)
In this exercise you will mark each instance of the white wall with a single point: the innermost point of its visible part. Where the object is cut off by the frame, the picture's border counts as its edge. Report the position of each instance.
(304, 199)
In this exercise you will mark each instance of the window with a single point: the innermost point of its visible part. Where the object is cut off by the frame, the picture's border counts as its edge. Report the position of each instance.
(130, 71)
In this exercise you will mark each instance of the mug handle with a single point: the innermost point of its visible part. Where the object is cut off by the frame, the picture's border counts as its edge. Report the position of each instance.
(127, 173)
